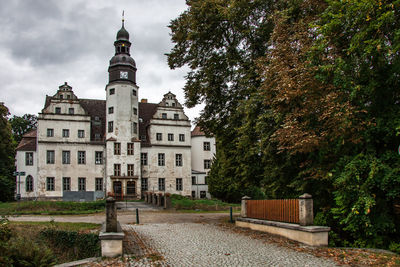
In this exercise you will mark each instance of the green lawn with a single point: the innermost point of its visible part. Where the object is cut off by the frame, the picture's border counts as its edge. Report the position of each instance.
(51, 207)
(186, 204)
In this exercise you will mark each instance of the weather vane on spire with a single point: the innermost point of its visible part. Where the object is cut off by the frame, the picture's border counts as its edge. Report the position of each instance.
(123, 19)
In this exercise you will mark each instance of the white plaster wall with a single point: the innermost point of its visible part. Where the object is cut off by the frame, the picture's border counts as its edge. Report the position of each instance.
(65, 105)
(29, 170)
(170, 172)
(200, 185)
(60, 122)
(90, 170)
(199, 154)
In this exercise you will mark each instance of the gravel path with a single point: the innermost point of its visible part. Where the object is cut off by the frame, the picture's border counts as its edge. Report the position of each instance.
(194, 244)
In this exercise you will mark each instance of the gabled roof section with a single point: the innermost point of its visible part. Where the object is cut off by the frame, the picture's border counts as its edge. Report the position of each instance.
(197, 132)
(96, 109)
(170, 100)
(146, 112)
(28, 142)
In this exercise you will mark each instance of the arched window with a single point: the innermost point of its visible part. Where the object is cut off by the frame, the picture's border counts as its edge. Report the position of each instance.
(29, 184)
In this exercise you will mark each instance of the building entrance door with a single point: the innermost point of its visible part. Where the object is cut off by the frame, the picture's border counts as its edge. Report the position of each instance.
(131, 189)
(117, 186)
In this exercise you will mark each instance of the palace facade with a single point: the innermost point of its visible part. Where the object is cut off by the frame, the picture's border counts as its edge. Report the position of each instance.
(85, 149)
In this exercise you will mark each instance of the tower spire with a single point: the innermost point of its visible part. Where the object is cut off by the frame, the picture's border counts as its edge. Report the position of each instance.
(123, 18)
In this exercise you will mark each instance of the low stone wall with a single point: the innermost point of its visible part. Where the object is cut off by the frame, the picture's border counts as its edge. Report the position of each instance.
(310, 235)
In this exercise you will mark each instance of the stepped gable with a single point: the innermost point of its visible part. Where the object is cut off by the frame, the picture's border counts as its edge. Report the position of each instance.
(96, 109)
(28, 141)
(146, 112)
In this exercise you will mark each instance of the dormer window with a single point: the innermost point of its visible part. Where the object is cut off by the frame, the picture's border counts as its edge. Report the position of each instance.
(173, 104)
(68, 96)
(61, 96)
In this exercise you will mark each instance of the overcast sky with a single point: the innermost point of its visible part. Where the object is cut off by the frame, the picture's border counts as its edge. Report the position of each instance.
(45, 43)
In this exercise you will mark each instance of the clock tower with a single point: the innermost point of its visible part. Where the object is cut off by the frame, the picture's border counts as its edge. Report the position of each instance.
(122, 129)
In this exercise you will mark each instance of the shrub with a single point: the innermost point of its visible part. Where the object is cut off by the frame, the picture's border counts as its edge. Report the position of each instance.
(25, 252)
(77, 245)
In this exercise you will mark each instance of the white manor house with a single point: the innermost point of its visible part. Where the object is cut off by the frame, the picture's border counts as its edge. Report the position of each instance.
(85, 149)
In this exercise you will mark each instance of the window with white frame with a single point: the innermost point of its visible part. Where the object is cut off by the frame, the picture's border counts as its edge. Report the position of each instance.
(179, 186)
(130, 169)
(50, 156)
(178, 160)
(130, 148)
(81, 157)
(145, 185)
(117, 169)
(206, 146)
(50, 132)
(161, 159)
(98, 157)
(65, 133)
(81, 184)
(207, 164)
(66, 183)
(143, 158)
(29, 183)
(99, 184)
(161, 184)
(50, 184)
(66, 157)
(28, 158)
(81, 133)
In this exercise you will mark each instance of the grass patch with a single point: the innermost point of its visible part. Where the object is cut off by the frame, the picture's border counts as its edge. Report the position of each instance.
(198, 205)
(51, 207)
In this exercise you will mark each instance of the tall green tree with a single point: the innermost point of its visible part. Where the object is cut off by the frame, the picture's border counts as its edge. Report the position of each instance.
(22, 125)
(7, 157)
(363, 39)
(220, 41)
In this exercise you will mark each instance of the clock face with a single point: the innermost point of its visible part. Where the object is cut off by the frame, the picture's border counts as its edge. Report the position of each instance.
(123, 75)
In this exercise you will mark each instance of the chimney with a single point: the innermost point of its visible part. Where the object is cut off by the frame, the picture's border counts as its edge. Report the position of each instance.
(144, 100)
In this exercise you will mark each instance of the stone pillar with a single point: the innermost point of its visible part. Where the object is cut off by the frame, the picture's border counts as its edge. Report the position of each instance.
(145, 196)
(111, 215)
(154, 199)
(306, 213)
(167, 201)
(243, 212)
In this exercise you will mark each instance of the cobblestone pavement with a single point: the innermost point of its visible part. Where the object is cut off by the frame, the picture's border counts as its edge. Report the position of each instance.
(194, 244)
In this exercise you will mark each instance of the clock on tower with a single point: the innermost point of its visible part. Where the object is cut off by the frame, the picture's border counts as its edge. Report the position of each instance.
(123, 75)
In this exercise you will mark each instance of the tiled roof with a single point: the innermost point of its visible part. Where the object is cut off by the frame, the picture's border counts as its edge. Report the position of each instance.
(31, 133)
(146, 112)
(28, 142)
(197, 132)
(95, 108)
